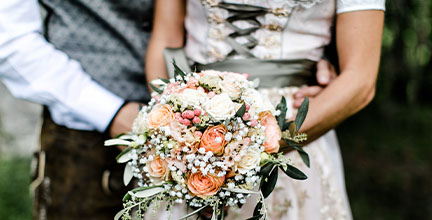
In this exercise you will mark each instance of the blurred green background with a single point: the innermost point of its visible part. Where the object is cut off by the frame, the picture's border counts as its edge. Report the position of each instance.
(386, 147)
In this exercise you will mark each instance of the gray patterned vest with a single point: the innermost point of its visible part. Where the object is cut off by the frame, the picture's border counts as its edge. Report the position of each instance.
(108, 37)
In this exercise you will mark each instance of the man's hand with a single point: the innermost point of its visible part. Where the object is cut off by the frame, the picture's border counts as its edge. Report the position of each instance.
(326, 73)
(124, 119)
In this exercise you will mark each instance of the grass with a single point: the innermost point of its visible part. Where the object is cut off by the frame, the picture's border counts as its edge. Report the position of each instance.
(15, 202)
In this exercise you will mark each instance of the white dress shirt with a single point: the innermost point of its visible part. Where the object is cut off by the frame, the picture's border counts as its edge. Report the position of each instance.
(33, 69)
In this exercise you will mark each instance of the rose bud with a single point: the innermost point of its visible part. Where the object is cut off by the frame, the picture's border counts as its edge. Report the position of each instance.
(246, 116)
(186, 122)
(189, 114)
(177, 116)
(198, 134)
(211, 94)
(254, 123)
(196, 120)
(197, 112)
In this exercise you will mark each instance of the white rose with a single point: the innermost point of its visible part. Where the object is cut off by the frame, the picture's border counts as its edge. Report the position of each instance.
(140, 123)
(249, 161)
(235, 76)
(221, 107)
(259, 102)
(229, 86)
(193, 97)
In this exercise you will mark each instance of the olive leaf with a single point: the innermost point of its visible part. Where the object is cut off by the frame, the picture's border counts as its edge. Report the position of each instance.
(265, 171)
(120, 214)
(124, 156)
(304, 156)
(282, 107)
(258, 207)
(164, 80)
(301, 114)
(255, 217)
(149, 192)
(127, 175)
(293, 172)
(193, 213)
(241, 111)
(268, 186)
(112, 142)
(178, 71)
(156, 89)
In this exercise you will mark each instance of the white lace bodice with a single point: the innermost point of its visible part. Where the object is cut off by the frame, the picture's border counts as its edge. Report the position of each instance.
(292, 29)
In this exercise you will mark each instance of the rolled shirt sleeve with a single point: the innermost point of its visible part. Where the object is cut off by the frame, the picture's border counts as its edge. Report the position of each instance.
(33, 69)
(359, 5)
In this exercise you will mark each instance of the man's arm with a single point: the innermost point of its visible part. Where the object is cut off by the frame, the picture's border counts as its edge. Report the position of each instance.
(33, 69)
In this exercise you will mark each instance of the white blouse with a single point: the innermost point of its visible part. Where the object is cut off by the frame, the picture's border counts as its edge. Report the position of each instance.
(292, 29)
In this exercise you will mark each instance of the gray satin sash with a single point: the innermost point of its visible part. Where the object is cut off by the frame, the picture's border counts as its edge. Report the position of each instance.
(271, 73)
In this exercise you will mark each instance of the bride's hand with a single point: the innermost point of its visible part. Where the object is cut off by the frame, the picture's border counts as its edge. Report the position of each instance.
(326, 73)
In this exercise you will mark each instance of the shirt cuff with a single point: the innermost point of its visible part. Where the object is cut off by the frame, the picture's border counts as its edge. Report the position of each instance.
(360, 8)
(97, 105)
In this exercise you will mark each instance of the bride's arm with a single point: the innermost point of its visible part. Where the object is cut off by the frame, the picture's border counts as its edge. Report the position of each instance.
(358, 36)
(168, 32)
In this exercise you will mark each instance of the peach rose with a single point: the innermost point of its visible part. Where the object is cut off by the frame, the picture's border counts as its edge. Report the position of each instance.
(158, 168)
(181, 133)
(160, 115)
(203, 186)
(213, 139)
(272, 131)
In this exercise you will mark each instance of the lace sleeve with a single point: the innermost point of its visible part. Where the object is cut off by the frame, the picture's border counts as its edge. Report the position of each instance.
(358, 5)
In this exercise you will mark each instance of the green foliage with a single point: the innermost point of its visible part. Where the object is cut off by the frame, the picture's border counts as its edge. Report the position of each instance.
(15, 202)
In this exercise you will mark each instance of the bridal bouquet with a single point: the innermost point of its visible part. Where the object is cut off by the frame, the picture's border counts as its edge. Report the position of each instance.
(207, 139)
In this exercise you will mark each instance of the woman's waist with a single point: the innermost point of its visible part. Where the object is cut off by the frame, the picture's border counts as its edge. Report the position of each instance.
(271, 73)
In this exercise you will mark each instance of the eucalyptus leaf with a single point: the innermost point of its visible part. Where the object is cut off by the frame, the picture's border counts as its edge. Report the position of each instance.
(127, 175)
(113, 142)
(282, 107)
(293, 172)
(268, 186)
(301, 114)
(156, 89)
(241, 111)
(193, 213)
(149, 192)
(304, 156)
(120, 214)
(124, 156)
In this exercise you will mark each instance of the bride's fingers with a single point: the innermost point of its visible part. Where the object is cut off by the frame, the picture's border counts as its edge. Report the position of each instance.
(325, 72)
(310, 91)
